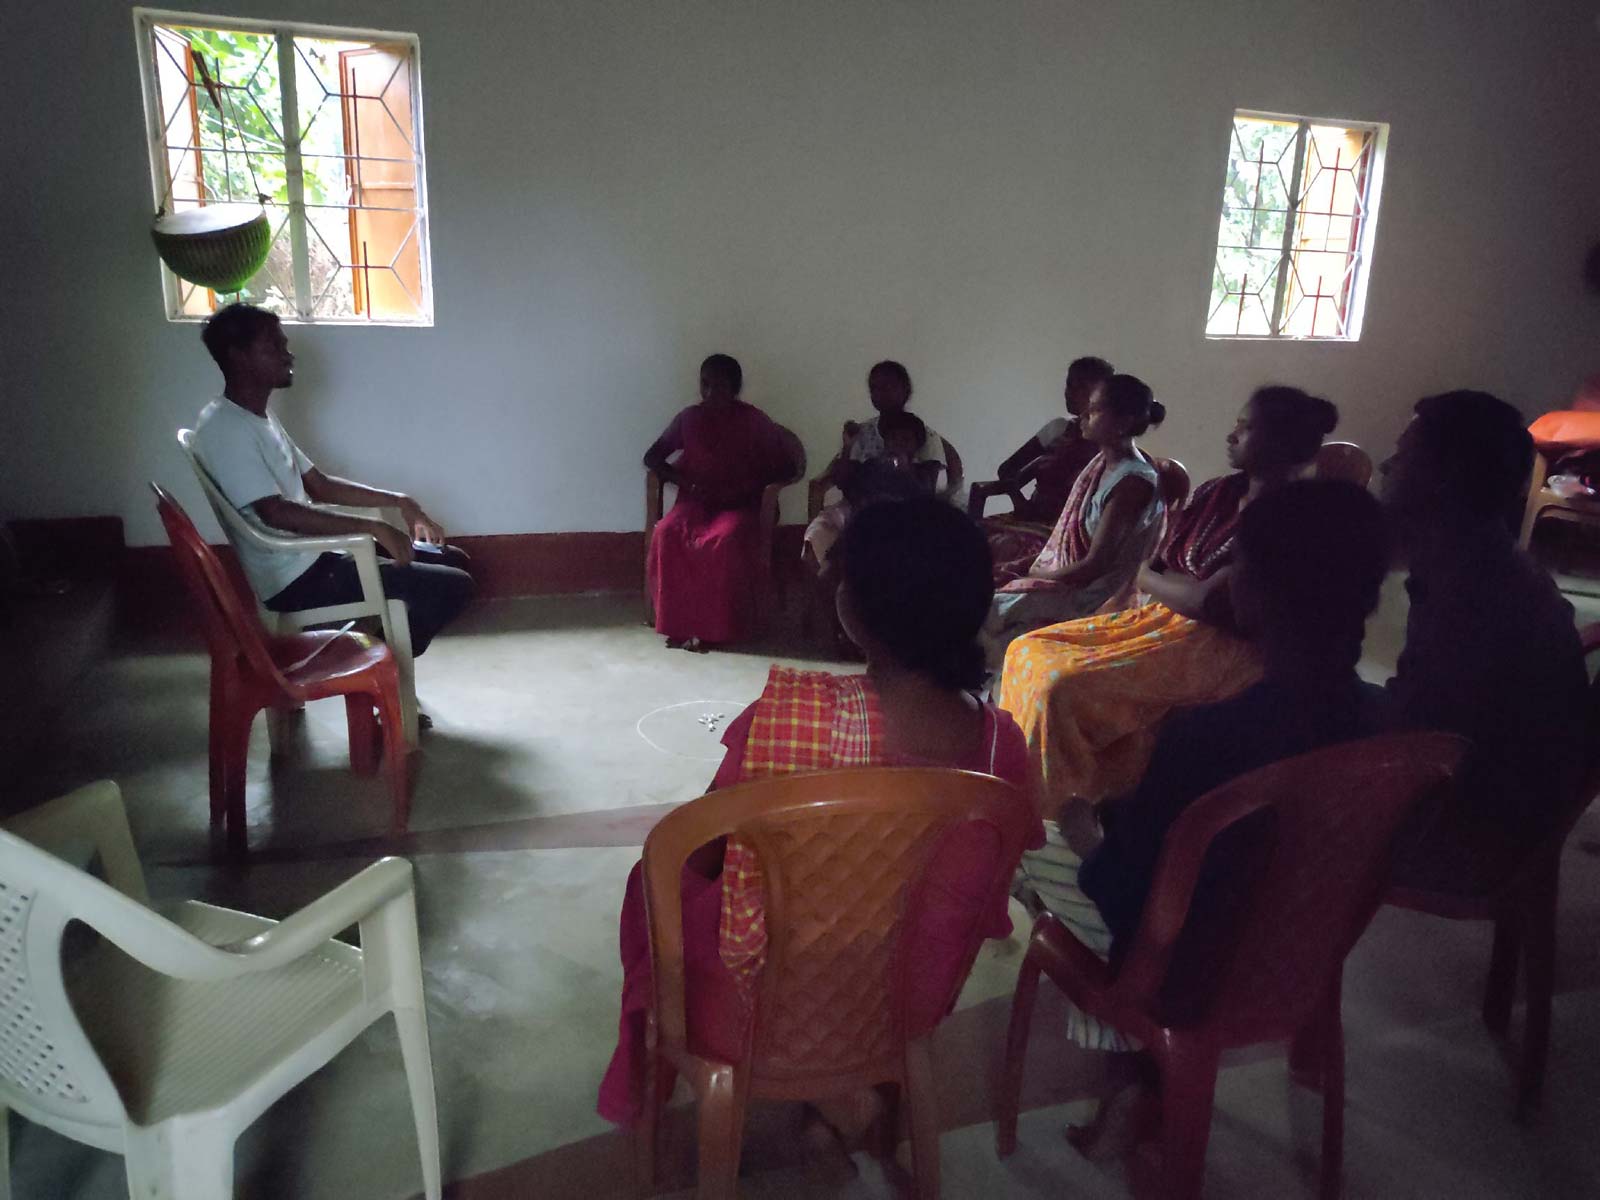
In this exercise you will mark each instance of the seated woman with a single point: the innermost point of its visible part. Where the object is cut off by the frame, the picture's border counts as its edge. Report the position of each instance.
(1092, 692)
(702, 564)
(889, 386)
(1311, 558)
(914, 592)
(1051, 460)
(1105, 529)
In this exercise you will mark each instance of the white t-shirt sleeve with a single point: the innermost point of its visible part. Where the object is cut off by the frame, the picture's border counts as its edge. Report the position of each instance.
(301, 462)
(1052, 431)
(932, 449)
(238, 467)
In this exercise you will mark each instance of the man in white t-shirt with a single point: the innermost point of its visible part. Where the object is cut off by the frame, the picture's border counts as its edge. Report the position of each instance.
(257, 466)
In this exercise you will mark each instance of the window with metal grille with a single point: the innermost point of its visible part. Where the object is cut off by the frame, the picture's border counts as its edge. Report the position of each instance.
(323, 127)
(1299, 209)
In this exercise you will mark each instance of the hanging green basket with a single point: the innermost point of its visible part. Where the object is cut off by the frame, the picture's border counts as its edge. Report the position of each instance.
(219, 246)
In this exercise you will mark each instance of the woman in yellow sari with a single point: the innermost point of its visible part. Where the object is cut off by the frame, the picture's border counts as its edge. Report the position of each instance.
(1090, 694)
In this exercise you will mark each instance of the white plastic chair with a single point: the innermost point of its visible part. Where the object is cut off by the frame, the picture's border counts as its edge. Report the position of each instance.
(373, 602)
(168, 1037)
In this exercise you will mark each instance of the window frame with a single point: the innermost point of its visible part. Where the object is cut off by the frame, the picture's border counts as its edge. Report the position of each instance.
(1371, 196)
(144, 21)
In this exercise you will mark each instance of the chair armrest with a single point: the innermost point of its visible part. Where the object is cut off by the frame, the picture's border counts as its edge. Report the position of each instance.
(91, 819)
(294, 543)
(389, 516)
(1065, 959)
(327, 915)
(979, 494)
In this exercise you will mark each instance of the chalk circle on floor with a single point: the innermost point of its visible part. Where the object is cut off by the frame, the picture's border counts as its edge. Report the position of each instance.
(692, 729)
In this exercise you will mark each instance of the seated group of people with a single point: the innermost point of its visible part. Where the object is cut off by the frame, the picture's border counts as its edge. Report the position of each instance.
(1235, 641)
(1241, 650)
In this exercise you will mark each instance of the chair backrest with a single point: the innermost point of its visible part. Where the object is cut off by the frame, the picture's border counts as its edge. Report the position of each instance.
(845, 859)
(233, 630)
(1334, 816)
(49, 1070)
(235, 526)
(1344, 461)
(1173, 479)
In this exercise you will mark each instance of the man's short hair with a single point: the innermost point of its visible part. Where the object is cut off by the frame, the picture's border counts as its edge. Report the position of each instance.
(1090, 369)
(1478, 447)
(235, 327)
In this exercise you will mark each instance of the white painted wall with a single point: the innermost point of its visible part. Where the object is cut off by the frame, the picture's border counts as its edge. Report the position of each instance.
(981, 188)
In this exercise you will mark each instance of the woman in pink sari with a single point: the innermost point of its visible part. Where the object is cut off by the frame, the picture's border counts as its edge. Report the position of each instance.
(702, 564)
(915, 592)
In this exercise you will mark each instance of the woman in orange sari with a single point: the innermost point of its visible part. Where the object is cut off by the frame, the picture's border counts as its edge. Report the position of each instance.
(1090, 693)
(915, 591)
(702, 562)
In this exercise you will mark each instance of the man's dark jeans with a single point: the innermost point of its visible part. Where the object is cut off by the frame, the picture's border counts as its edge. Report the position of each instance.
(434, 585)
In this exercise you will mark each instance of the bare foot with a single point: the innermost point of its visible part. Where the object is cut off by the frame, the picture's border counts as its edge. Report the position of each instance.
(1121, 1123)
(852, 1116)
(826, 1149)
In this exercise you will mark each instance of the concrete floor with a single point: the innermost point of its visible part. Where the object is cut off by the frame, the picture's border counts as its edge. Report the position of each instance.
(562, 727)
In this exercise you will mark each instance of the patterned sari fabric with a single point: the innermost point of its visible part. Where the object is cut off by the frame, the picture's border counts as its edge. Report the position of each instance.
(1090, 694)
(1025, 601)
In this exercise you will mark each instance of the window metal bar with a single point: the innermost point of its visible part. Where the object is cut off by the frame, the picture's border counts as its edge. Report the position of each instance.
(294, 173)
(1291, 225)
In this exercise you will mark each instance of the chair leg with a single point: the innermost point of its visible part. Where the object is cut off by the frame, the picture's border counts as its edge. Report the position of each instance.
(1188, 1086)
(645, 1135)
(397, 632)
(1331, 1038)
(236, 721)
(5, 1154)
(394, 756)
(221, 696)
(1010, 1098)
(1540, 965)
(922, 1102)
(179, 1160)
(721, 1132)
(1501, 990)
(362, 719)
(413, 1026)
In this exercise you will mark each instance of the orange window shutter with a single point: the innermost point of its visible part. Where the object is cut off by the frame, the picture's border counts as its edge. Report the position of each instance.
(379, 136)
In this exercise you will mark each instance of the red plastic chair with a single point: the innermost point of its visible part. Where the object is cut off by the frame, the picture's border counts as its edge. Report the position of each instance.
(1336, 813)
(251, 672)
(845, 859)
(1523, 909)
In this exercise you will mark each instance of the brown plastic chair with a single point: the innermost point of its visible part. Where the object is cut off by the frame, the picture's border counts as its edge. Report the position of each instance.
(1336, 813)
(1344, 461)
(1523, 909)
(251, 671)
(844, 857)
(1542, 503)
(771, 586)
(1173, 479)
